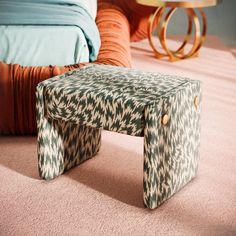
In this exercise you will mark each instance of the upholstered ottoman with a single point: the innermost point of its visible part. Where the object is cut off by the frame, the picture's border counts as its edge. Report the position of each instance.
(164, 109)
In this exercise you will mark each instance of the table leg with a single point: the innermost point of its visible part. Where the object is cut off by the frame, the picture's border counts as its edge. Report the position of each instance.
(161, 25)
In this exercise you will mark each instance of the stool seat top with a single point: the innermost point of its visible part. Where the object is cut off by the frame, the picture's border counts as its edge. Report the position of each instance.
(179, 3)
(108, 97)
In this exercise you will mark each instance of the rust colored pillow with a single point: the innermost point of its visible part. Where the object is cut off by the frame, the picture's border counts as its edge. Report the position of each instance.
(137, 15)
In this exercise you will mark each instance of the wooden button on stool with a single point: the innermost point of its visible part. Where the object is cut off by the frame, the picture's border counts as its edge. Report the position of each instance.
(165, 119)
(196, 101)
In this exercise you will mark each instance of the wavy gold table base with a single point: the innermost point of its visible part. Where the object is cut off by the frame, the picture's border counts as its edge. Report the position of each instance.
(199, 33)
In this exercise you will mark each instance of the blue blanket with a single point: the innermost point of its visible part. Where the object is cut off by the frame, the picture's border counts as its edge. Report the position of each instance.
(51, 12)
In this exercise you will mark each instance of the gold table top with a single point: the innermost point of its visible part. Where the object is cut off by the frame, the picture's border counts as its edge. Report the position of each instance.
(179, 3)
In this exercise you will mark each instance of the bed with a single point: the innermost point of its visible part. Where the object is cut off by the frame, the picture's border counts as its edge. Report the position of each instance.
(48, 32)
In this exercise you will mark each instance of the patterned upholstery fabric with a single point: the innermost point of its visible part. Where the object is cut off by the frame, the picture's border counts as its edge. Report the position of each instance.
(74, 107)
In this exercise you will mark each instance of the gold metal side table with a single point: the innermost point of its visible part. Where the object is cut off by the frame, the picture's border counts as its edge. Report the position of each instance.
(168, 7)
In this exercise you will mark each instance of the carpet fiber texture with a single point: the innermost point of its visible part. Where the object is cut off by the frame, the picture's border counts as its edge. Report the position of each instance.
(103, 196)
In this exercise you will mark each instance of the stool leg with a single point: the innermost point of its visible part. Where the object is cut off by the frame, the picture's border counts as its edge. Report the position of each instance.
(62, 145)
(152, 161)
(171, 143)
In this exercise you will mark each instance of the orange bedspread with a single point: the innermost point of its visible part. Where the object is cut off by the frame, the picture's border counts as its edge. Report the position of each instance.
(118, 23)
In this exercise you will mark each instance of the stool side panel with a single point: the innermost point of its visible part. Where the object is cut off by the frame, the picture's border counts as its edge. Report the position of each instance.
(62, 145)
(171, 151)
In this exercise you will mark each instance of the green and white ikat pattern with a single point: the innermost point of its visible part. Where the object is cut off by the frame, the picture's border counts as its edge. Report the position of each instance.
(74, 107)
(61, 145)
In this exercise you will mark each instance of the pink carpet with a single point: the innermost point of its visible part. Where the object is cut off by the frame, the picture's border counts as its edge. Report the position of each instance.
(103, 196)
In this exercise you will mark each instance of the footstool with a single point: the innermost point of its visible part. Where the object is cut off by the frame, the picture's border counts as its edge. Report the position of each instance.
(73, 108)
